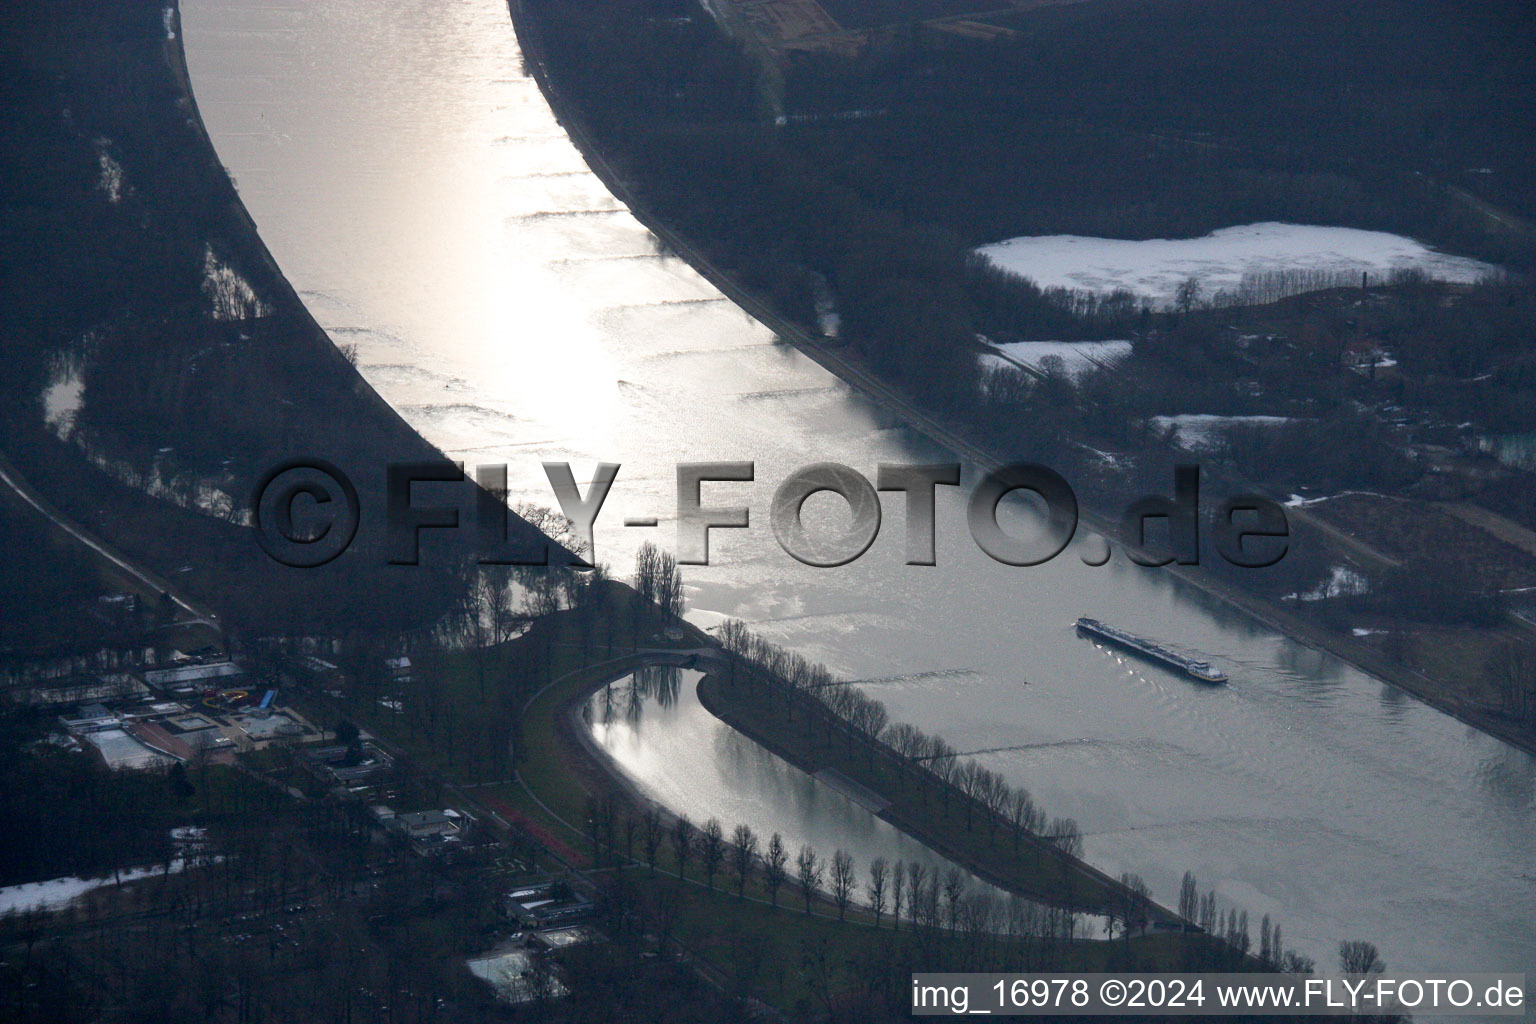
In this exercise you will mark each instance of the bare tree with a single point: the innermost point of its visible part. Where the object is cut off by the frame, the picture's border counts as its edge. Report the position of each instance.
(1356, 956)
(941, 762)
(682, 843)
(1294, 963)
(954, 888)
(1063, 833)
(658, 580)
(917, 875)
(930, 901)
(1208, 916)
(995, 795)
(1189, 295)
(898, 885)
(773, 867)
(631, 826)
(808, 869)
(978, 917)
(1134, 899)
(1189, 897)
(651, 835)
(843, 884)
(1237, 930)
(743, 853)
(877, 876)
(907, 741)
(968, 778)
(711, 849)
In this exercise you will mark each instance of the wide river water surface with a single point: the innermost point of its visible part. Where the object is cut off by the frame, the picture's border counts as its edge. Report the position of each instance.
(415, 187)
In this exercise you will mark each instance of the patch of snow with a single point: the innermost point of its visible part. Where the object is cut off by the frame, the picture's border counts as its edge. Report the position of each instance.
(1342, 582)
(111, 178)
(63, 398)
(828, 321)
(57, 893)
(1104, 457)
(1202, 431)
(1155, 268)
(230, 293)
(1077, 357)
(1366, 632)
(1297, 501)
(515, 977)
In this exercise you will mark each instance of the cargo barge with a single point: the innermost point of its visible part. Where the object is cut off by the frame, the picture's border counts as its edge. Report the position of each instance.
(1204, 671)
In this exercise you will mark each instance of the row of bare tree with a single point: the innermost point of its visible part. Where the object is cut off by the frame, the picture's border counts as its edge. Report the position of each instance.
(864, 721)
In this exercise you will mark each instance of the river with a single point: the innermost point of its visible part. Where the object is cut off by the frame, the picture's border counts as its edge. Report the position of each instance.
(417, 190)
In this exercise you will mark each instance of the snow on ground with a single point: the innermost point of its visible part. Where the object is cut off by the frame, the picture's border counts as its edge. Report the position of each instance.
(1202, 431)
(1077, 357)
(1155, 268)
(1341, 582)
(513, 975)
(994, 369)
(1299, 501)
(59, 892)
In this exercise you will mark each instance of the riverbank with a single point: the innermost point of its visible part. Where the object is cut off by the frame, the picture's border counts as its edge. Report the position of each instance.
(941, 817)
(844, 365)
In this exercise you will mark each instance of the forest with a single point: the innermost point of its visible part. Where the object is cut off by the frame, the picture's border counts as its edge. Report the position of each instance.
(883, 171)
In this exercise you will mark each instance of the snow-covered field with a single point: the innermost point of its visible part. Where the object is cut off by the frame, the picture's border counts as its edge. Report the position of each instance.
(1155, 268)
(57, 893)
(1202, 431)
(1077, 357)
(60, 892)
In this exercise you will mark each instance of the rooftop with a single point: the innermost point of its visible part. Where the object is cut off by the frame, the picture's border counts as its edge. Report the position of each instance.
(182, 674)
(121, 751)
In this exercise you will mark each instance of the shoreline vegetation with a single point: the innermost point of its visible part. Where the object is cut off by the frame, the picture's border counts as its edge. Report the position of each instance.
(846, 363)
